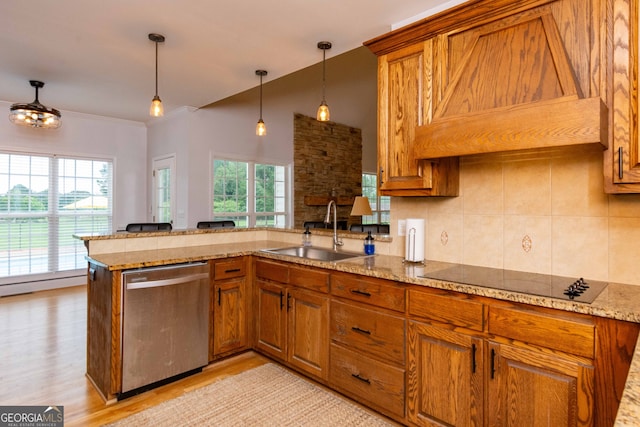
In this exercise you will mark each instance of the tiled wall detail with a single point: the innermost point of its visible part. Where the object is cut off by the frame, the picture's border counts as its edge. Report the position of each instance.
(544, 213)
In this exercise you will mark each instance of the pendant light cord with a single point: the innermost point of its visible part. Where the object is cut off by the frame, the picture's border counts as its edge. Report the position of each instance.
(156, 68)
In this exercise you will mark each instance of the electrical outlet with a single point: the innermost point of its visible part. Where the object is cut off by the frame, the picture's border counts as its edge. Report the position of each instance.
(402, 227)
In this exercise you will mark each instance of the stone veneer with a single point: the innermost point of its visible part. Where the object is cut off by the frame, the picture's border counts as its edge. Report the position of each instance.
(327, 161)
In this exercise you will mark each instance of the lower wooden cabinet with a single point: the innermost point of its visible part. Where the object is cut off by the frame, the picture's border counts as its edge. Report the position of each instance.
(377, 383)
(445, 377)
(293, 321)
(526, 387)
(229, 302)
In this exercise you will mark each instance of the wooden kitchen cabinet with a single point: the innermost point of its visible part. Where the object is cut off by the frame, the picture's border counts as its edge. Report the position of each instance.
(408, 88)
(367, 330)
(293, 316)
(229, 307)
(498, 364)
(445, 381)
(622, 159)
(529, 387)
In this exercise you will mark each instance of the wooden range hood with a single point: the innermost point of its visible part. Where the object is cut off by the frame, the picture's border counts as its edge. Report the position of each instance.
(514, 75)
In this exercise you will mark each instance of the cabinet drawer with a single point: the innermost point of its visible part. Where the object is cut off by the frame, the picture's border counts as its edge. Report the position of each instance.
(445, 307)
(316, 280)
(380, 293)
(376, 333)
(569, 334)
(235, 267)
(272, 271)
(368, 380)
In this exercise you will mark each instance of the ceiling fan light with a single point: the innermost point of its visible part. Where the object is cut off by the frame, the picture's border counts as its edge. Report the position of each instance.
(35, 114)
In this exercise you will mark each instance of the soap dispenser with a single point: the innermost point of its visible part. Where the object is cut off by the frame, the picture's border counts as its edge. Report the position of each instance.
(306, 237)
(369, 247)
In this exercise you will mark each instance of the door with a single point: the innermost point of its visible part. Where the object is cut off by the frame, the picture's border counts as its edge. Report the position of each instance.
(308, 331)
(271, 326)
(527, 387)
(164, 187)
(444, 377)
(229, 316)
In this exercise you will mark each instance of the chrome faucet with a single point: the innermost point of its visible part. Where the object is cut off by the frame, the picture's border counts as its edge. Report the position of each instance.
(336, 242)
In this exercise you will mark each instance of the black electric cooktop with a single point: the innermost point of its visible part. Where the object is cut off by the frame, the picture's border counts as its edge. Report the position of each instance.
(565, 288)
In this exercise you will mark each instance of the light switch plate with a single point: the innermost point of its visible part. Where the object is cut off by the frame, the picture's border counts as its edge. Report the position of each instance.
(402, 227)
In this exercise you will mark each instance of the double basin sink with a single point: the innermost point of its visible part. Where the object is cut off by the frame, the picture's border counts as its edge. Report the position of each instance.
(316, 254)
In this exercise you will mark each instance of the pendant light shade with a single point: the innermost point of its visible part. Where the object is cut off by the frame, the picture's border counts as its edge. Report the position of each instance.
(261, 129)
(323, 114)
(35, 114)
(156, 109)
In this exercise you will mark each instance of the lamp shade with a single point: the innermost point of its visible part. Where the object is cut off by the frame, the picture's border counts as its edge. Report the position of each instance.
(361, 206)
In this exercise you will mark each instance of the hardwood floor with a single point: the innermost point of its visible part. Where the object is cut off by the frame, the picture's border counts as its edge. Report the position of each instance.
(43, 360)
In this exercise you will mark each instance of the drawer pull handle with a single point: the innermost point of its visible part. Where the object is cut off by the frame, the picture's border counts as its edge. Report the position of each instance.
(493, 363)
(232, 270)
(473, 358)
(358, 377)
(359, 292)
(362, 331)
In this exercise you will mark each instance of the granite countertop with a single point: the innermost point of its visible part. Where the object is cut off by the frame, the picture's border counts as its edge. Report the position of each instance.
(617, 301)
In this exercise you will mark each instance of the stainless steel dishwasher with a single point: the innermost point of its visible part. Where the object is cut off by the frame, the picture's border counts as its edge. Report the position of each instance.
(165, 318)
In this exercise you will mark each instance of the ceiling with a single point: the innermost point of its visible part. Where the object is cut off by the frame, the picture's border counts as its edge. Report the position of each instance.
(95, 56)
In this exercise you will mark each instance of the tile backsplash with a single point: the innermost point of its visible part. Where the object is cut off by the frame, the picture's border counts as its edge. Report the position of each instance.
(536, 212)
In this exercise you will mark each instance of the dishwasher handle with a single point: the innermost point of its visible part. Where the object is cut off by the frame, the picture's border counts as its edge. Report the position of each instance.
(166, 282)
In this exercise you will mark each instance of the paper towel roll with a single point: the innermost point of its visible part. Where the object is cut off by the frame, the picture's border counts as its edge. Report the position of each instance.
(414, 246)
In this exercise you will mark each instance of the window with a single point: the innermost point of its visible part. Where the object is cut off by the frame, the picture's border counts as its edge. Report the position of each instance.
(44, 200)
(380, 205)
(256, 199)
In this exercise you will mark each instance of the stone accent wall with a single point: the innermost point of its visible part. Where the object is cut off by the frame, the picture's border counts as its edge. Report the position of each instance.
(327, 161)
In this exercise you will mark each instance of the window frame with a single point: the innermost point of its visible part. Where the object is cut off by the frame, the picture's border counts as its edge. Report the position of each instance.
(376, 201)
(58, 180)
(249, 219)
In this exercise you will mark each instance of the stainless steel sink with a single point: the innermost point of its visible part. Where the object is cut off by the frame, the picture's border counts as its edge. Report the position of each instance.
(317, 254)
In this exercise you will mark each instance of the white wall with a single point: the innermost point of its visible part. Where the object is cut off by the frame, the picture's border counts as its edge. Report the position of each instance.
(227, 128)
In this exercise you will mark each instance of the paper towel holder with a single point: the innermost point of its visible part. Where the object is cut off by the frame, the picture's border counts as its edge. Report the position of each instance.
(410, 250)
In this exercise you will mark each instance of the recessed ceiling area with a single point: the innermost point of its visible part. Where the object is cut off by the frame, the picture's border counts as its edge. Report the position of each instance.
(96, 57)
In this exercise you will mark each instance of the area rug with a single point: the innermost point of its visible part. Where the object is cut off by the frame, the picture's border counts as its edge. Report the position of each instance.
(268, 395)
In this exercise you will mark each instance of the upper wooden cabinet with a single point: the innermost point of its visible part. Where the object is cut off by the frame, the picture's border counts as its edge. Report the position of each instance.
(502, 75)
(622, 159)
(405, 102)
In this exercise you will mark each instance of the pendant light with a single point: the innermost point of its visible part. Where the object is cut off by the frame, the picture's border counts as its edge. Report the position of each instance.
(261, 129)
(323, 110)
(35, 114)
(156, 109)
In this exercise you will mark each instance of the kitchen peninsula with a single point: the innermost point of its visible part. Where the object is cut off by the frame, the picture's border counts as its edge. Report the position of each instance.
(599, 338)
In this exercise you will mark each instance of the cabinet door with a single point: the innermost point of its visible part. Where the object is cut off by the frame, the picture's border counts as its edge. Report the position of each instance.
(229, 316)
(622, 159)
(527, 387)
(444, 377)
(406, 88)
(308, 331)
(271, 324)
